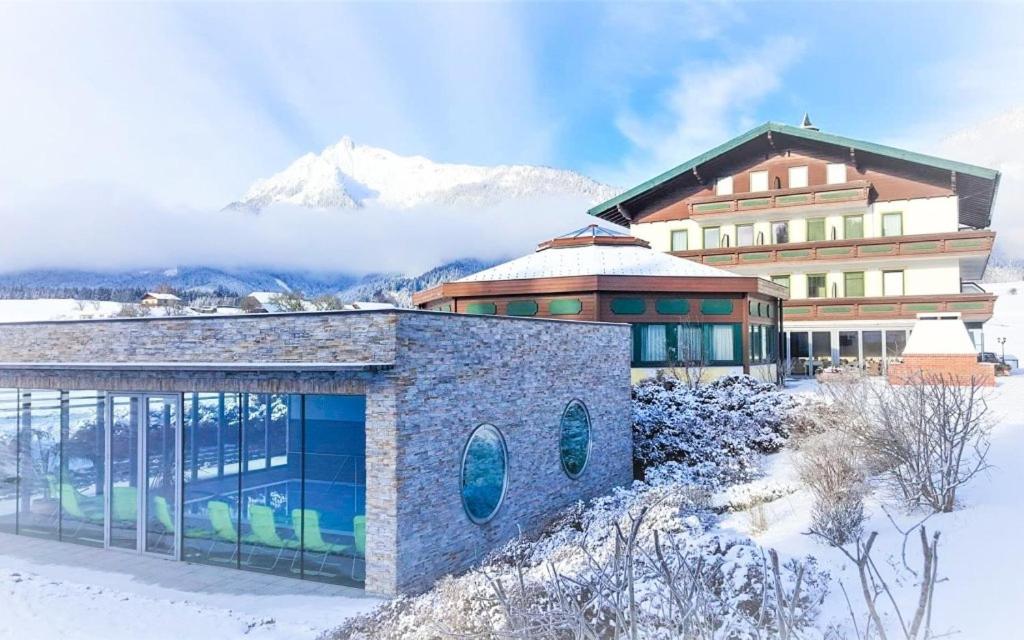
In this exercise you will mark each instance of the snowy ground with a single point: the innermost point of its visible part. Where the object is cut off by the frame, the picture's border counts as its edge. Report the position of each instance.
(979, 551)
(1008, 319)
(55, 309)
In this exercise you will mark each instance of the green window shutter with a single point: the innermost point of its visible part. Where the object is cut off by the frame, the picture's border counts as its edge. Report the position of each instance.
(482, 308)
(672, 306)
(716, 307)
(565, 307)
(522, 308)
(628, 306)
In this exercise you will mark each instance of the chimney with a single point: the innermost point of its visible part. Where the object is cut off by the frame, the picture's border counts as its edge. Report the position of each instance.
(806, 124)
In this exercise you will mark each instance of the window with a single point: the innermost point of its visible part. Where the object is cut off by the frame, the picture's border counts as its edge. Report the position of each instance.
(835, 173)
(744, 235)
(853, 284)
(783, 280)
(723, 186)
(853, 227)
(712, 237)
(722, 343)
(895, 343)
(797, 177)
(707, 343)
(690, 342)
(815, 229)
(816, 286)
(651, 342)
(758, 180)
(9, 459)
(892, 224)
(484, 473)
(780, 232)
(574, 444)
(680, 240)
(892, 283)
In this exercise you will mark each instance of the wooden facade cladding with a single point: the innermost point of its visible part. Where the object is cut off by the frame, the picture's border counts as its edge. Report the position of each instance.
(856, 192)
(974, 307)
(652, 313)
(932, 244)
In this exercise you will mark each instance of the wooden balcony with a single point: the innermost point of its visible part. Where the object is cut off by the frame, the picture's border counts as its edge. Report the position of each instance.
(953, 243)
(856, 191)
(974, 307)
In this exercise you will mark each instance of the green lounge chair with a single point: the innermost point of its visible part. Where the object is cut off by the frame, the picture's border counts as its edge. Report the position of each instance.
(264, 533)
(124, 504)
(306, 523)
(359, 533)
(162, 513)
(223, 526)
(72, 507)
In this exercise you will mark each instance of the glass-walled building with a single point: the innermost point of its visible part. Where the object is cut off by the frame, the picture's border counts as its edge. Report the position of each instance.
(263, 482)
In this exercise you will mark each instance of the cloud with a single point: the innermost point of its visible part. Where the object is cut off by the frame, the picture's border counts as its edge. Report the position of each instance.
(706, 104)
(101, 233)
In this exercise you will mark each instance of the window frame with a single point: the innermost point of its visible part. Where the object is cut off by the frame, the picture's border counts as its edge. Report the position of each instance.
(752, 236)
(704, 237)
(505, 474)
(807, 231)
(824, 285)
(772, 231)
(767, 181)
(672, 344)
(590, 439)
(846, 284)
(889, 215)
(806, 176)
(903, 282)
(788, 277)
(846, 226)
(672, 239)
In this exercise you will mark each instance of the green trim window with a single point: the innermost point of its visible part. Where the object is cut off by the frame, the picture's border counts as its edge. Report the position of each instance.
(716, 307)
(712, 237)
(680, 240)
(482, 308)
(816, 229)
(853, 284)
(672, 306)
(782, 280)
(744, 235)
(817, 285)
(565, 307)
(662, 345)
(628, 306)
(764, 343)
(780, 232)
(892, 223)
(522, 308)
(853, 227)
(893, 283)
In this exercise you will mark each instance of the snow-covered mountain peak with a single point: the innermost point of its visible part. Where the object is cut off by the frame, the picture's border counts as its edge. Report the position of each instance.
(351, 175)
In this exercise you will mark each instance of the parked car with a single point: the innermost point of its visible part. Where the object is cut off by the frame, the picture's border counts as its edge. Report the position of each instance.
(1002, 369)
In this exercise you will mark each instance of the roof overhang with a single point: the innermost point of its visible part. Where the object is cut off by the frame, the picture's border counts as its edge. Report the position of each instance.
(975, 186)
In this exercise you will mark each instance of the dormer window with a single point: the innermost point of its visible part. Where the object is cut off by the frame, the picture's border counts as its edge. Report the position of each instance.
(798, 177)
(723, 186)
(835, 173)
(758, 180)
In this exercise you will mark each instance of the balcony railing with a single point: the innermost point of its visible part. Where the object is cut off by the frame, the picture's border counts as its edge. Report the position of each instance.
(974, 307)
(819, 194)
(956, 242)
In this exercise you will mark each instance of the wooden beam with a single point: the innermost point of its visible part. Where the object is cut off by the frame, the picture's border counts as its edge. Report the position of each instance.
(952, 181)
(624, 212)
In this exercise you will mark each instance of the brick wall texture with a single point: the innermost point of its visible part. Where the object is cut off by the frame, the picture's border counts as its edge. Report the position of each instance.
(959, 368)
(451, 373)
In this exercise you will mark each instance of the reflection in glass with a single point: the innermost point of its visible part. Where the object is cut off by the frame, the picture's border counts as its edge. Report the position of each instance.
(799, 352)
(848, 350)
(82, 474)
(895, 343)
(871, 344)
(8, 460)
(39, 462)
(161, 465)
(124, 472)
(484, 473)
(574, 444)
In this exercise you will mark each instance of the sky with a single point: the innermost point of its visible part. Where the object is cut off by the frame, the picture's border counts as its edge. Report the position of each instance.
(129, 119)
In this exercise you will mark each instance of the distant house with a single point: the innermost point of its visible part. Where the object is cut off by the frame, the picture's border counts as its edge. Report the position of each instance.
(153, 299)
(275, 302)
(262, 302)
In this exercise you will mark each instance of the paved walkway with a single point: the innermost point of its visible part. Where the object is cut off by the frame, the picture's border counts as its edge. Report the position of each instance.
(155, 571)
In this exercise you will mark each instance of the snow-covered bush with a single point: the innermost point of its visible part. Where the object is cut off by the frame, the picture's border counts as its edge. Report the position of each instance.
(718, 430)
(834, 474)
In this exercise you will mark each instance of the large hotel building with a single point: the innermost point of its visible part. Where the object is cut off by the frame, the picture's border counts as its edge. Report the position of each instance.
(864, 236)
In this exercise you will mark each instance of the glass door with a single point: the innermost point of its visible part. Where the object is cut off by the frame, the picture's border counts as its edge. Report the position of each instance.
(143, 449)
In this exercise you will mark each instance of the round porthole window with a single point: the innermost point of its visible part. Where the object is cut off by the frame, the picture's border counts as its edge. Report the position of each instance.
(574, 444)
(484, 473)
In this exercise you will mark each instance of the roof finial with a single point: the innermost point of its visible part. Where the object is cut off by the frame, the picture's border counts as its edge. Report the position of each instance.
(806, 124)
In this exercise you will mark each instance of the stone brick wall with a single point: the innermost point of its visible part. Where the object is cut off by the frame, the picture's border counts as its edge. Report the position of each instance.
(456, 372)
(961, 368)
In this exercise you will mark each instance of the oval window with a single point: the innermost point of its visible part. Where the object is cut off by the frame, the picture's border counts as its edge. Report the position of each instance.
(575, 441)
(484, 473)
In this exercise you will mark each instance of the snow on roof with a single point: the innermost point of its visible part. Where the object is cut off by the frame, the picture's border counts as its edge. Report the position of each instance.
(161, 296)
(597, 260)
(939, 334)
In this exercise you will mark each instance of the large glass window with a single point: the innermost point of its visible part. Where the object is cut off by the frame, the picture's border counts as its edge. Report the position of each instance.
(39, 512)
(780, 232)
(816, 285)
(815, 229)
(799, 352)
(652, 342)
(848, 349)
(722, 343)
(8, 460)
(892, 224)
(853, 284)
(484, 473)
(821, 348)
(83, 477)
(712, 237)
(680, 240)
(574, 444)
(123, 477)
(707, 343)
(689, 343)
(871, 343)
(895, 342)
(853, 227)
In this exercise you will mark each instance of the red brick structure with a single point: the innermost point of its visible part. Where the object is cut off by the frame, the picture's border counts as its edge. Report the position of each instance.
(964, 369)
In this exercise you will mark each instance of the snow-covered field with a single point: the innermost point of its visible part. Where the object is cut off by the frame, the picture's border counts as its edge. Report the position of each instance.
(55, 309)
(1008, 320)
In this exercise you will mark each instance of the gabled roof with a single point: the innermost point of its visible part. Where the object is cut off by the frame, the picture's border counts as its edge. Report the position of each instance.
(161, 296)
(609, 209)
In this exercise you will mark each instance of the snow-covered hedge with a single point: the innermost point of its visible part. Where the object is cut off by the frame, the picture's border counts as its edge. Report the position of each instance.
(718, 430)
